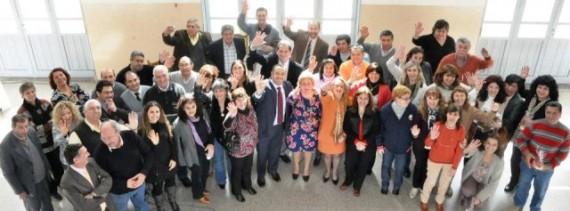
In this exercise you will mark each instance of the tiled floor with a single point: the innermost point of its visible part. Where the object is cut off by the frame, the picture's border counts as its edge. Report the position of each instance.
(299, 195)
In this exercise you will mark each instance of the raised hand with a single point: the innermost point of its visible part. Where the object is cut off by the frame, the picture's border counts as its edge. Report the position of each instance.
(434, 132)
(153, 136)
(258, 40)
(473, 146)
(259, 84)
(364, 32)
(524, 72)
(63, 127)
(169, 62)
(401, 54)
(495, 107)
(418, 29)
(245, 7)
(334, 50)
(233, 82)
(485, 53)
(169, 29)
(289, 22)
(415, 131)
(232, 109)
(133, 120)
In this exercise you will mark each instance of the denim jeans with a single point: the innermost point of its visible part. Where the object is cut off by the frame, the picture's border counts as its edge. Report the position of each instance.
(221, 163)
(136, 196)
(387, 160)
(541, 181)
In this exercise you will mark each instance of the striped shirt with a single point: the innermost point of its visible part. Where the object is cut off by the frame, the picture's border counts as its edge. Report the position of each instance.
(230, 55)
(552, 140)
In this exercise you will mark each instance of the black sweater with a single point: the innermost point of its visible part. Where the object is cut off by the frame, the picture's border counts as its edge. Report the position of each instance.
(133, 157)
(162, 153)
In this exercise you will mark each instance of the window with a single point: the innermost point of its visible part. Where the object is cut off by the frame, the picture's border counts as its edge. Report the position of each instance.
(336, 16)
(69, 16)
(498, 18)
(563, 28)
(535, 18)
(7, 19)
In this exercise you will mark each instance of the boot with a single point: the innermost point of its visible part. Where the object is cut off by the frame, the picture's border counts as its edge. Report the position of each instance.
(171, 193)
(424, 206)
(439, 207)
(160, 202)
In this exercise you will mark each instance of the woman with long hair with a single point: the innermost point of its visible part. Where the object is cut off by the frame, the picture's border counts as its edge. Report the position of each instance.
(446, 140)
(305, 106)
(194, 138)
(155, 129)
(482, 173)
(361, 127)
(65, 117)
(242, 120)
(431, 110)
(331, 137)
(239, 77)
(447, 79)
(470, 114)
(328, 72)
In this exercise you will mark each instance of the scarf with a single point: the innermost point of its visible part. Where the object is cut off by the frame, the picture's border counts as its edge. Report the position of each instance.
(374, 87)
(339, 116)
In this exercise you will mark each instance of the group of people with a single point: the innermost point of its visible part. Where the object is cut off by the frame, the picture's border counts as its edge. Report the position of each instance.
(147, 124)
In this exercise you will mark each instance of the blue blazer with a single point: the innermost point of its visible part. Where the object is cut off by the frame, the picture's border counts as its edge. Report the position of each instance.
(266, 106)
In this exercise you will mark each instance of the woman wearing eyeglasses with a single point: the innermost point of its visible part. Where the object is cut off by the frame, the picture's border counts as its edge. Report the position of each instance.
(397, 130)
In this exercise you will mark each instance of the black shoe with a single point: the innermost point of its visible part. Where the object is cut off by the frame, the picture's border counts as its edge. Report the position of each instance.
(325, 180)
(384, 191)
(510, 188)
(251, 191)
(275, 176)
(240, 198)
(186, 182)
(57, 196)
(295, 176)
(261, 182)
(407, 173)
(396, 192)
(285, 158)
(222, 186)
(317, 161)
(306, 178)
(334, 182)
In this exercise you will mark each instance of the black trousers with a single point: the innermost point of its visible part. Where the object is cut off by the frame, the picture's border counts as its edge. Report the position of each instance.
(56, 169)
(200, 174)
(356, 164)
(515, 166)
(420, 168)
(241, 173)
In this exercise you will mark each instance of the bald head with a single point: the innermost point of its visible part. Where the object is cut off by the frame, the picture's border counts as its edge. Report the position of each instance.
(108, 75)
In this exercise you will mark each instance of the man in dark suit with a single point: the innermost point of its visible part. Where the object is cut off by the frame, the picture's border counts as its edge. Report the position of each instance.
(111, 108)
(189, 42)
(24, 165)
(270, 98)
(85, 184)
(307, 43)
(341, 51)
(283, 58)
(226, 50)
(137, 66)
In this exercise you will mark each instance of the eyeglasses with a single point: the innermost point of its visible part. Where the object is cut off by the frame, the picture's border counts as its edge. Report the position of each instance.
(405, 98)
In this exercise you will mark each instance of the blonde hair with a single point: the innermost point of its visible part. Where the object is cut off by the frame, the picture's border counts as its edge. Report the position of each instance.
(400, 90)
(57, 112)
(305, 75)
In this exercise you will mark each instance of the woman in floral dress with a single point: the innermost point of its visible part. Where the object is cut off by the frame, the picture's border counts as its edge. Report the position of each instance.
(305, 106)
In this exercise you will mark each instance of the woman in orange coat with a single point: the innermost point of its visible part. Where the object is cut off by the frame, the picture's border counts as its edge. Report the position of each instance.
(334, 98)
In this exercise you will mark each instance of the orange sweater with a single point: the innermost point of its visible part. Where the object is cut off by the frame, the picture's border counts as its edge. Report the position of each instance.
(446, 148)
(345, 70)
(473, 65)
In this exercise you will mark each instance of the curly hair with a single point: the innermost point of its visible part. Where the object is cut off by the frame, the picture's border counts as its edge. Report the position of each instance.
(484, 94)
(413, 51)
(57, 69)
(546, 80)
(57, 112)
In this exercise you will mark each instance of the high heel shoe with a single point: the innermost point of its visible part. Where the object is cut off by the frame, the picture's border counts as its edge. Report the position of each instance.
(325, 179)
(295, 176)
(334, 182)
(306, 178)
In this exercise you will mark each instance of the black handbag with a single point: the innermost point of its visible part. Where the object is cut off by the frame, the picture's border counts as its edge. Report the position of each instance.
(231, 141)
